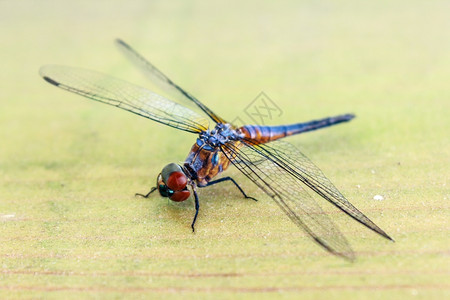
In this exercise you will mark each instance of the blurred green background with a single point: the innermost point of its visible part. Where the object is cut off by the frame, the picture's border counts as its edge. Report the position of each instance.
(71, 227)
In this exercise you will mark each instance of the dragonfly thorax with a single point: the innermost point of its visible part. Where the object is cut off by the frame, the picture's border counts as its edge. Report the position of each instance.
(221, 134)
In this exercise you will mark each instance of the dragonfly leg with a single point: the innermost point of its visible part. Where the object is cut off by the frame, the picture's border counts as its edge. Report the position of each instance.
(148, 194)
(197, 207)
(235, 183)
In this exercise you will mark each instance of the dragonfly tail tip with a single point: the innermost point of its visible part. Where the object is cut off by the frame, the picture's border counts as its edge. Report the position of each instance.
(350, 116)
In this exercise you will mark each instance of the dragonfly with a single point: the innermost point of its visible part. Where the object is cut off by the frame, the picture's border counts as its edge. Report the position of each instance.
(278, 168)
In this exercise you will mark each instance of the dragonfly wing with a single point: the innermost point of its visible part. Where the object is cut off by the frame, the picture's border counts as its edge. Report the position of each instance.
(288, 157)
(288, 193)
(119, 93)
(161, 80)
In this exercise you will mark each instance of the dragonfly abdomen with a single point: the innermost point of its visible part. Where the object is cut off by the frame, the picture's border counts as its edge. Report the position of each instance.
(264, 134)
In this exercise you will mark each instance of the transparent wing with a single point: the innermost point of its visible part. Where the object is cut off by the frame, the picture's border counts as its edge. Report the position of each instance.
(119, 93)
(288, 193)
(302, 168)
(162, 81)
(283, 175)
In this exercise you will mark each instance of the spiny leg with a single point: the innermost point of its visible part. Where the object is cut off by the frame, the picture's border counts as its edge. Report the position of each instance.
(148, 194)
(235, 183)
(197, 207)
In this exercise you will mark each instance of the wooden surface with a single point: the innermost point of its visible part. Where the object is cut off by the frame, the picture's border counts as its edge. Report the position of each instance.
(70, 226)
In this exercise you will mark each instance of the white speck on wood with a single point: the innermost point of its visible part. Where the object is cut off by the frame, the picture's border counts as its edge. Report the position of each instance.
(378, 197)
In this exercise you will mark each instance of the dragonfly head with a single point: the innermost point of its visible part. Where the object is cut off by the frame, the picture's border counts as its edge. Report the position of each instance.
(172, 183)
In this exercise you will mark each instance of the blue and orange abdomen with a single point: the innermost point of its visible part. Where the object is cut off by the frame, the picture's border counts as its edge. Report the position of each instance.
(265, 134)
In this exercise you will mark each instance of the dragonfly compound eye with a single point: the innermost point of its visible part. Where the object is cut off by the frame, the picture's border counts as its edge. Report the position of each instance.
(179, 196)
(177, 181)
(174, 177)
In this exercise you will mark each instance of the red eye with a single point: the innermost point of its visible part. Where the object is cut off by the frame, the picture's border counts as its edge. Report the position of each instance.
(180, 195)
(177, 181)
